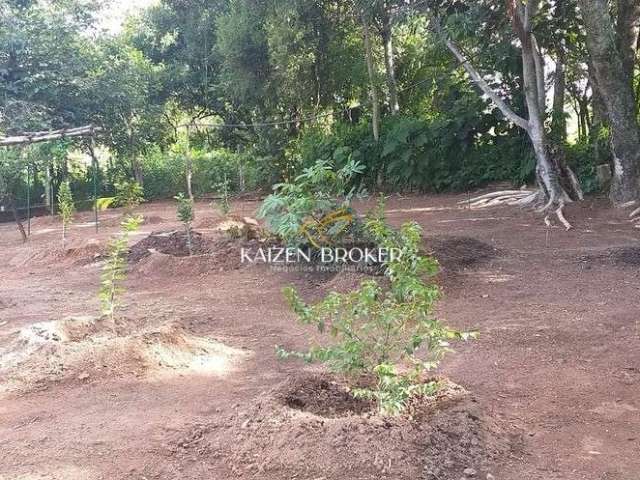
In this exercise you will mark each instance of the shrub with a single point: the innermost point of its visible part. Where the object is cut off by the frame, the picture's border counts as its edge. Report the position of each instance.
(439, 153)
(129, 194)
(114, 271)
(387, 335)
(163, 174)
(66, 207)
(308, 210)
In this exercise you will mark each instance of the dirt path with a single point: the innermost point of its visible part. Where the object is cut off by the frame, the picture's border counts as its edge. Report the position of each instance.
(558, 358)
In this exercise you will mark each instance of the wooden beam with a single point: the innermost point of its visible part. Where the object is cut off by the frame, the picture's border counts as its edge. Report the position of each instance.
(37, 137)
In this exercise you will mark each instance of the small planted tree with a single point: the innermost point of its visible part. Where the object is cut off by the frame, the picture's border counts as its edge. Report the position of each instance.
(224, 203)
(387, 339)
(66, 207)
(185, 215)
(114, 271)
(316, 207)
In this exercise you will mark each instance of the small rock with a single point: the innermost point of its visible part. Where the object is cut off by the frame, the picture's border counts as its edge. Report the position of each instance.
(490, 477)
(470, 472)
(83, 376)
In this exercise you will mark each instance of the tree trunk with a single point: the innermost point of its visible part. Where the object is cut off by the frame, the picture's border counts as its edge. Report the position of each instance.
(373, 84)
(189, 166)
(628, 27)
(558, 118)
(389, 62)
(614, 86)
(548, 169)
(189, 177)
(136, 168)
(48, 200)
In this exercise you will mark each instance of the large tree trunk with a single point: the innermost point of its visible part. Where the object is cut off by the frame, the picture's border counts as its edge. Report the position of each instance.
(136, 168)
(389, 61)
(628, 27)
(558, 118)
(546, 169)
(615, 87)
(549, 170)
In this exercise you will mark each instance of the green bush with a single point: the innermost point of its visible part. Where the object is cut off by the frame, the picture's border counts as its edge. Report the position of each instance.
(439, 154)
(129, 194)
(387, 339)
(164, 172)
(583, 158)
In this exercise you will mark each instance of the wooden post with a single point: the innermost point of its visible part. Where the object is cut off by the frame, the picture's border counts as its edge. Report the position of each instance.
(28, 200)
(94, 163)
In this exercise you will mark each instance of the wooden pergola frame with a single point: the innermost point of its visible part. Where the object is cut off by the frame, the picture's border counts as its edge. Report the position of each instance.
(29, 138)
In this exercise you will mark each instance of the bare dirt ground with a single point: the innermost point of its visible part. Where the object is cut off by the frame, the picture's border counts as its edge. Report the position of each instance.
(186, 385)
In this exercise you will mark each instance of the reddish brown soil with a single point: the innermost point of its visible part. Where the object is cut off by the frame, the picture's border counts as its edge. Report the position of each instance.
(186, 383)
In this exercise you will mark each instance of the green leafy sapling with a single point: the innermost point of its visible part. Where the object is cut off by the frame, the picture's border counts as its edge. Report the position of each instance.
(314, 208)
(66, 207)
(185, 215)
(114, 271)
(387, 336)
(224, 203)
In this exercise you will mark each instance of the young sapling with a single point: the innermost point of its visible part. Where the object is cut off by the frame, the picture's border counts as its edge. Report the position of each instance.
(66, 207)
(185, 215)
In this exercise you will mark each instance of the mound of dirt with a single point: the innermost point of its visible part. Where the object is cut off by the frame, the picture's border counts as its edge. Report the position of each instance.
(458, 252)
(85, 254)
(87, 348)
(349, 442)
(221, 254)
(170, 243)
(626, 256)
(153, 220)
(207, 223)
(620, 256)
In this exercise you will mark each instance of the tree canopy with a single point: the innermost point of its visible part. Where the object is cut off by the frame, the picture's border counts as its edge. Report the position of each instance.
(429, 94)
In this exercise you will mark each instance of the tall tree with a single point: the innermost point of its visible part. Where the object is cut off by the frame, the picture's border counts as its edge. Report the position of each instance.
(612, 68)
(549, 172)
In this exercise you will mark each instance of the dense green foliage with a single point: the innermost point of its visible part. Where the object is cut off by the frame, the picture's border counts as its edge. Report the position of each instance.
(129, 194)
(387, 335)
(246, 94)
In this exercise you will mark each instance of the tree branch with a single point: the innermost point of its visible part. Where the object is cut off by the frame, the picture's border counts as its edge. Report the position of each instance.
(480, 82)
(539, 63)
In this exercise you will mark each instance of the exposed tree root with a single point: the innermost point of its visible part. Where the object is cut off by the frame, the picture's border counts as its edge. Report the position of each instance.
(522, 198)
(504, 197)
(561, 217)
(635, 216)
